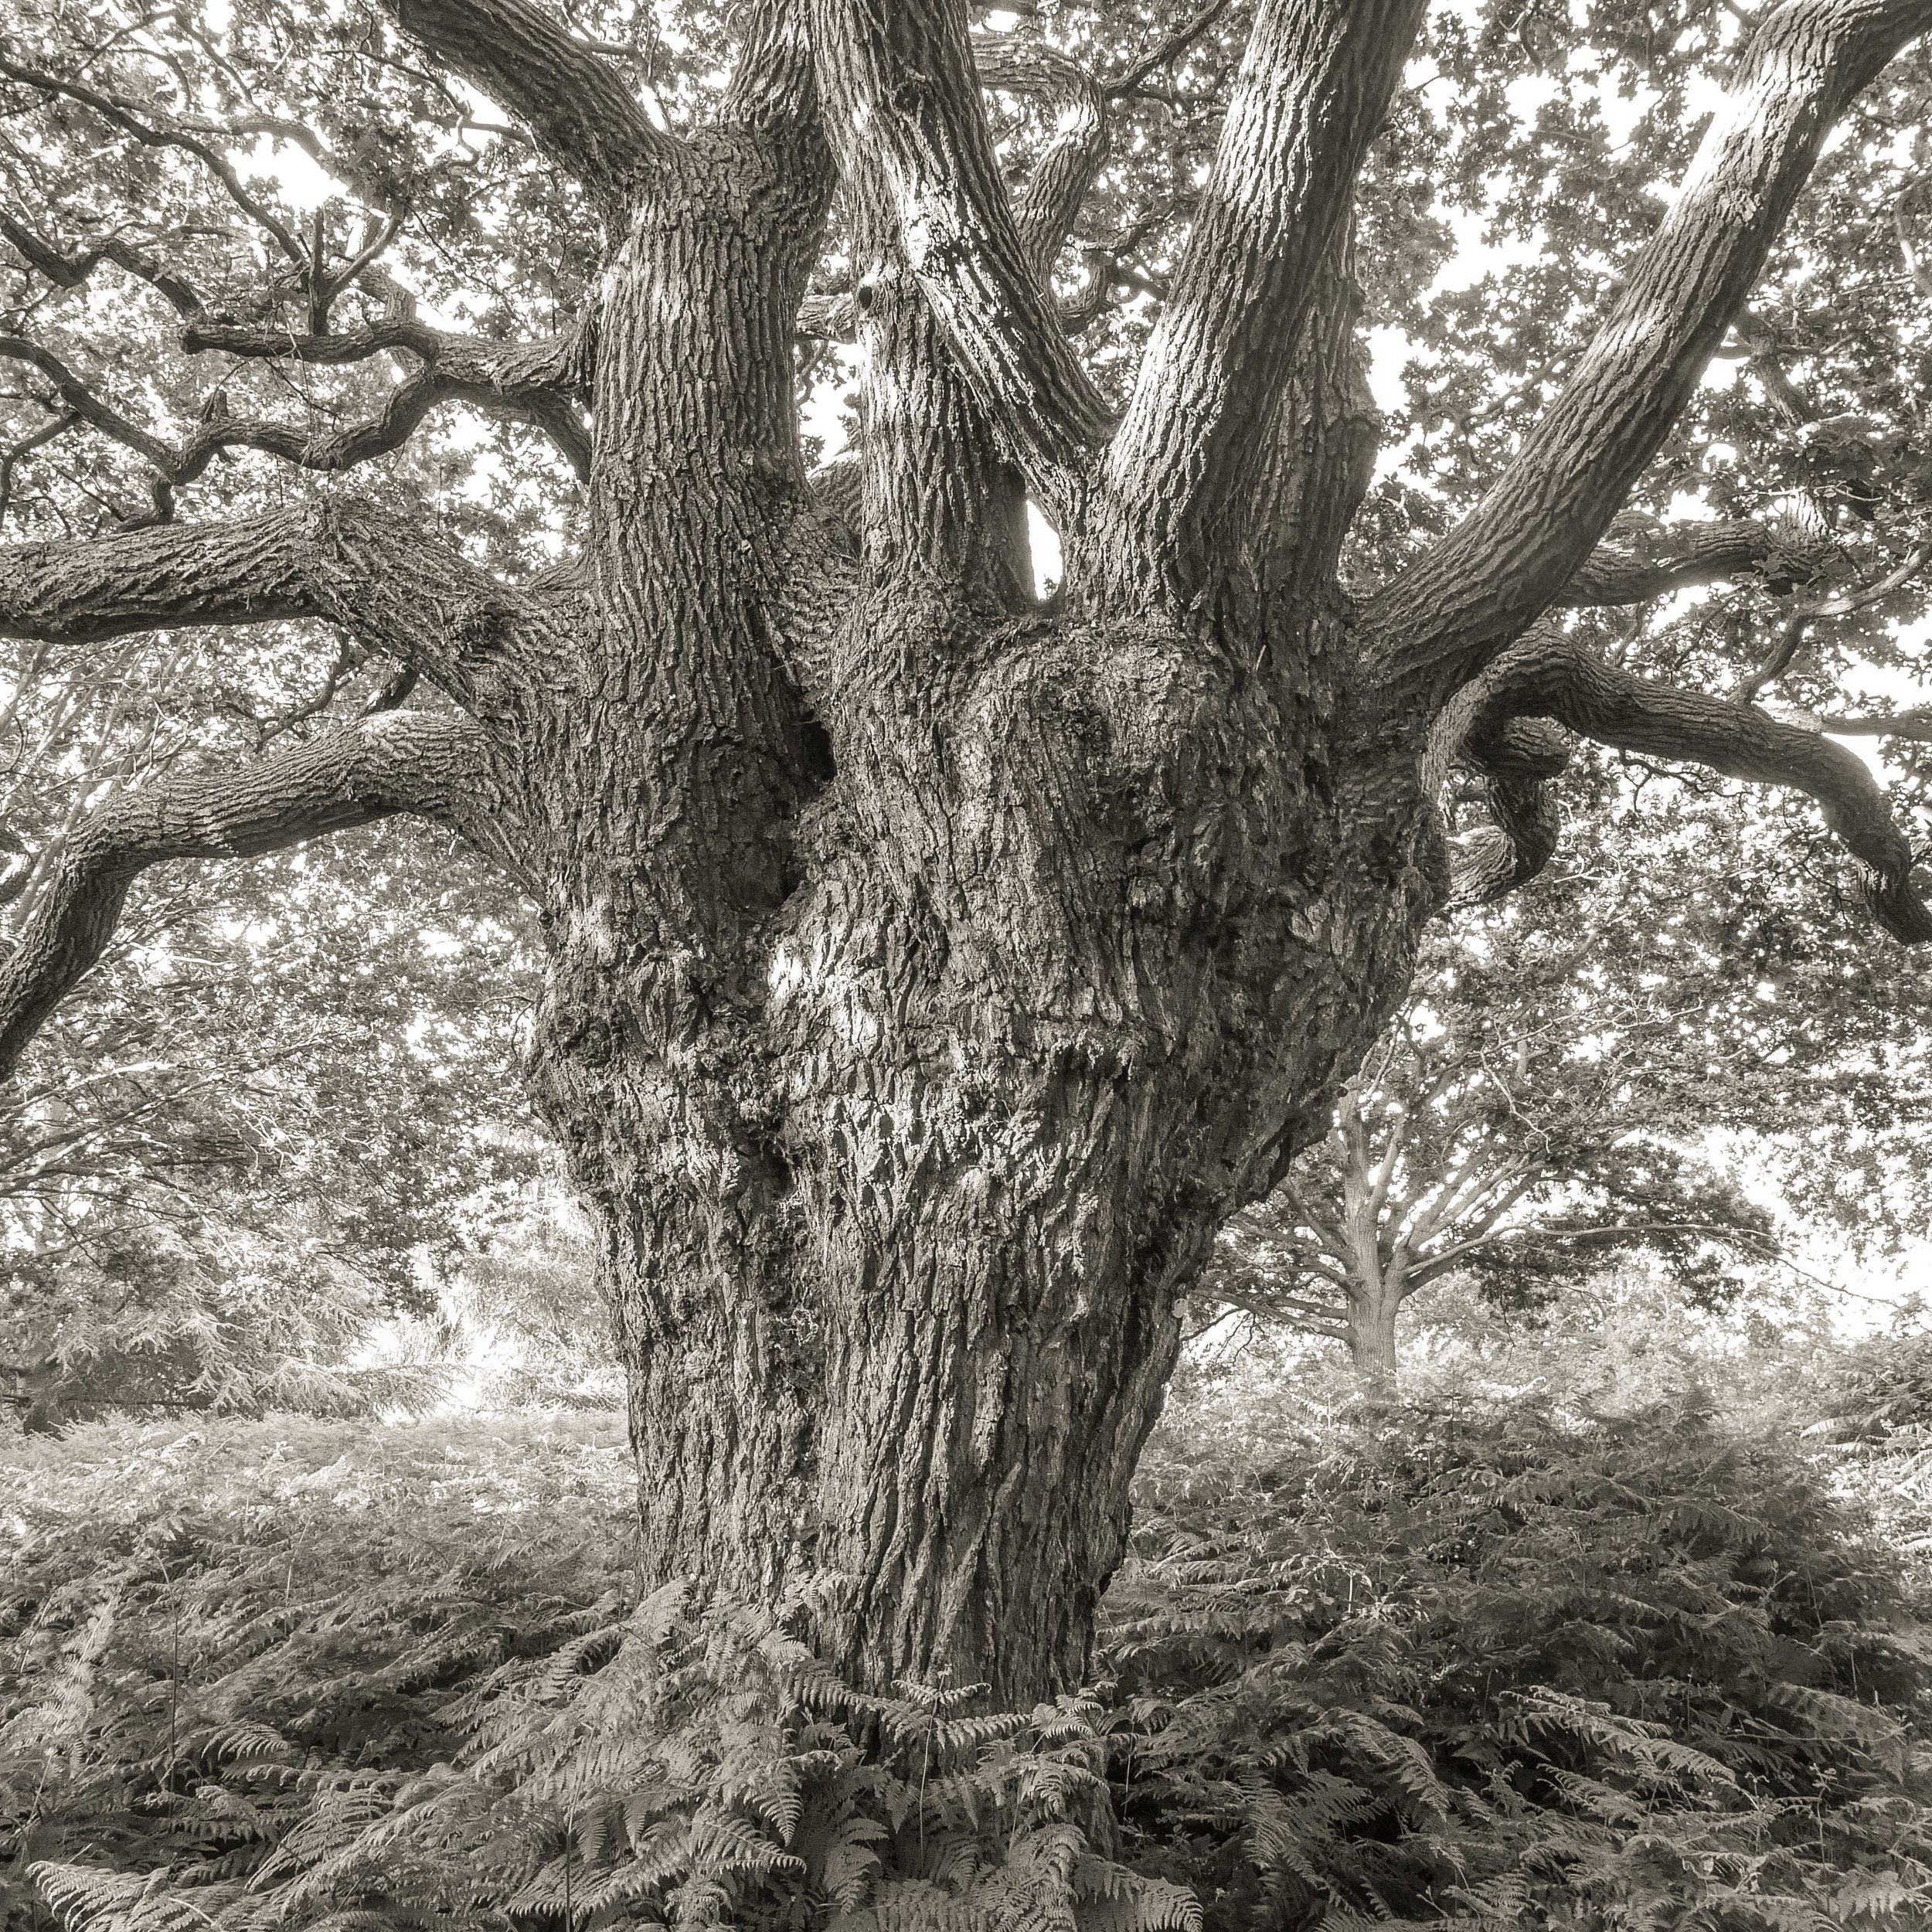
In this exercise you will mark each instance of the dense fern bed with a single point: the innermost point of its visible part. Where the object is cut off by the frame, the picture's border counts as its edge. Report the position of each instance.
(1484, 1662)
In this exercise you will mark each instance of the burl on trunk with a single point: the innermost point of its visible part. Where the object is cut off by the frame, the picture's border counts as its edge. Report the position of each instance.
(934, 967)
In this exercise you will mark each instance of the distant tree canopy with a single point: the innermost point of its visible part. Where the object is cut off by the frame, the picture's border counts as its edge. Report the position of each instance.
(1586, 1071)
(424, 403)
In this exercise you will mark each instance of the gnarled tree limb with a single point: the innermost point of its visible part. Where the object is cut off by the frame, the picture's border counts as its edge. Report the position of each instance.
(1313, 89)
(69, 271)
(1553, 676)
(581, 112)
(520, 383)
(1488, 581)
(405, 762)
(1046, 208)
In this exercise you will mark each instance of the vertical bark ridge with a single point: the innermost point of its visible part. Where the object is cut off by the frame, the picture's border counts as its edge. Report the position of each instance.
(684, 755)
(1314, 86)
(904, 111)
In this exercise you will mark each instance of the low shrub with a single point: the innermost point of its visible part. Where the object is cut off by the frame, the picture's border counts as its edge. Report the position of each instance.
(1465, 1662)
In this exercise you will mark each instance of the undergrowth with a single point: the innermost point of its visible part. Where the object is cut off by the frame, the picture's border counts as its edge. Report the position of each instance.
(1463, 1662)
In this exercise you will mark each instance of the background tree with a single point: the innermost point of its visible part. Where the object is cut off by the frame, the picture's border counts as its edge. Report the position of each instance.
(1598, 1067)
(1518, 1120)
(929, 969)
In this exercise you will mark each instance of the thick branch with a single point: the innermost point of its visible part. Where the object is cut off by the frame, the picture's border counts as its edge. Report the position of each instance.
(1313, 89)
(1555, 677)
(1639, 566)
(1488, 581)
(774, 89)
(903, 108)
(406, 762)
(387, 581)
(1047, 207)
(1525, 830)
(1516, 761)
(574, 102)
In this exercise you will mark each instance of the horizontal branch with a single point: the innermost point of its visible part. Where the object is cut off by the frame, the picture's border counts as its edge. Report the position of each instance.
(406, 762)
(391, 582)
(572, 100)
(1635, 568)
(1511, 558)
(1554, 676)
(521, 382)
(1915, 725)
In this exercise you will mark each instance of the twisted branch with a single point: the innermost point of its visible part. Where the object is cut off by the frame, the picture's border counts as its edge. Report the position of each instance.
(1553, 676)
(406, 762)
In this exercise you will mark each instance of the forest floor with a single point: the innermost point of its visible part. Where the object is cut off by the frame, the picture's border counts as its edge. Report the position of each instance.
(1480, 1654)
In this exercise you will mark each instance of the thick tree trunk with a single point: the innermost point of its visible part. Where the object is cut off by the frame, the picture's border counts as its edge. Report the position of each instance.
(895, 1213)
(1371, 1336)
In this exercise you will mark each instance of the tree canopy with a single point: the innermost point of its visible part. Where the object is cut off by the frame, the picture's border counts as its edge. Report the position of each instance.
(930, 963)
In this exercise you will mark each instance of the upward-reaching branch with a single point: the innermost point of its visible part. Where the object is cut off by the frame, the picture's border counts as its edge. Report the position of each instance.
(1313, 89)
(570, 98)
(1486, 583)
(1047, 207)
(904, 109)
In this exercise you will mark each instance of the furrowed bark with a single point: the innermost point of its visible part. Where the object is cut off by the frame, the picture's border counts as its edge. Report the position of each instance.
(774, 88)
(1320, 459)
(575, 102)
(1488, 580)
(1178, 473)
(904, 109)
(1046, 208)
(406, 762)
(1649, 563)
(1553, 677)
(930, 970)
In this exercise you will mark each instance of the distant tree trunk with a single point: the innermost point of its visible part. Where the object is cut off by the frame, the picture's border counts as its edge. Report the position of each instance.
(1372, 1336)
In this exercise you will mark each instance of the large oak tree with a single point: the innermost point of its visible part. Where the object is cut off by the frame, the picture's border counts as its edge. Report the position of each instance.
(932, 968)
